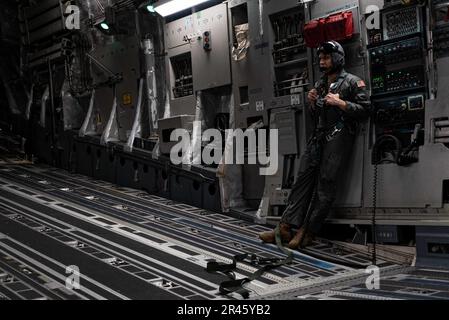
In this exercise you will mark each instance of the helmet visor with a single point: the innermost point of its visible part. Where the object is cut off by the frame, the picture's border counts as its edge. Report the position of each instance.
(328, 47)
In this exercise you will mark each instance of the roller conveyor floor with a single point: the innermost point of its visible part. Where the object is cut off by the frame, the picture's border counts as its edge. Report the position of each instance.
(131, 245)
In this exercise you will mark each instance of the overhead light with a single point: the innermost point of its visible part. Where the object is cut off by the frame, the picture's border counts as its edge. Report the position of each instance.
(104, 26)
(151, 9)
(175, 6)
(108, 25)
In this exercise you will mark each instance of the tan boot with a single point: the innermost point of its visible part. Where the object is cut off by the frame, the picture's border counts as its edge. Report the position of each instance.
(301, 239)
(270, 236)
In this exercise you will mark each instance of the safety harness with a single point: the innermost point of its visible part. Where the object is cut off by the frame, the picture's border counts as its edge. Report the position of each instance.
(336, 129)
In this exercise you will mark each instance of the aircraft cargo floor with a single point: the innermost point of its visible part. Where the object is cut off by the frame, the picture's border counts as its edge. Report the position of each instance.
(127, 244)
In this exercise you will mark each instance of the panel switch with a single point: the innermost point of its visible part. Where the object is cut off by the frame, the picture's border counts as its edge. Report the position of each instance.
(207, 41)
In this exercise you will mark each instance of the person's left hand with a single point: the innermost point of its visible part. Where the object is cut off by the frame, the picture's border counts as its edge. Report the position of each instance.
(335, 101)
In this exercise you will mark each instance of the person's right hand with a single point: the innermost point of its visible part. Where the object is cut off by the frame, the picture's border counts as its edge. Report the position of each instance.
(312, 97)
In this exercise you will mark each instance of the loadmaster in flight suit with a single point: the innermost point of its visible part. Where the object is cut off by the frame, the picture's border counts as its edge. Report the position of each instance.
(339, 103)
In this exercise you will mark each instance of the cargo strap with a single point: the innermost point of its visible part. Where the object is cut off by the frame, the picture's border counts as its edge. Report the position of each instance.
(264, 264)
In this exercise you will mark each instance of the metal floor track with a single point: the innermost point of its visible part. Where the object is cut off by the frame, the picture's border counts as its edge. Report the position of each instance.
(131, 245)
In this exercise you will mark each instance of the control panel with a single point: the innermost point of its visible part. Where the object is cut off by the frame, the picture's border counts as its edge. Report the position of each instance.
(397, 66)
(397, 56)
(402, 22)
(398, 52)
(198, 55)
(398, 80)
(400, 110)
(403, 118)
